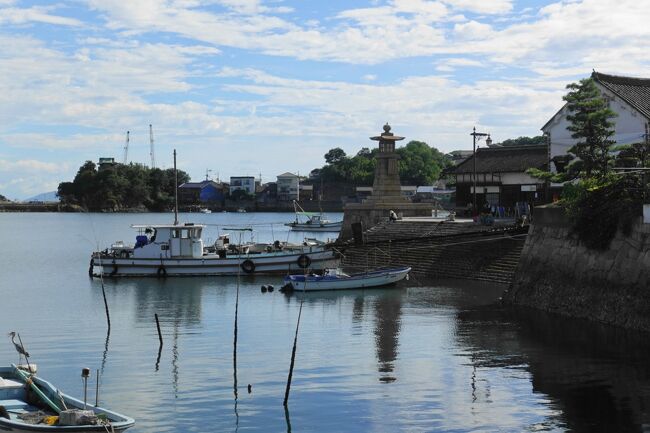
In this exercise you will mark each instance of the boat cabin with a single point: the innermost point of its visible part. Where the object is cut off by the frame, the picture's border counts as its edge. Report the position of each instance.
(169, 241)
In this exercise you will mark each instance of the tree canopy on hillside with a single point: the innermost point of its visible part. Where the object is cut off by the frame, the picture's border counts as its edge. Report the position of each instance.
(121, 187)
(524, 141)
(420, 164)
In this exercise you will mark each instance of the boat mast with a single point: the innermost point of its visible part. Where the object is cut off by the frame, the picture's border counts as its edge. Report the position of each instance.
(175, 191)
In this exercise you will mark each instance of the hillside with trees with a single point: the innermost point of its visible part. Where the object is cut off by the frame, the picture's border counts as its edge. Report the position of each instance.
(120, 187)
(420, 164)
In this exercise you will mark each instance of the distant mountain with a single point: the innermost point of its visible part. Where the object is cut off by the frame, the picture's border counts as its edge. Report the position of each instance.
(44, 197)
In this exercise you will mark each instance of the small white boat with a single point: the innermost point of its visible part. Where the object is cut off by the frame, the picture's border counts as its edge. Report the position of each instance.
(178, 250)
(205, 210)
(312, 221)
(241, 210)
(31, 404)
(335, 279)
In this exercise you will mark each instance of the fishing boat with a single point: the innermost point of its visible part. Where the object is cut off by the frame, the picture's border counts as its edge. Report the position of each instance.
(312, 221)
(336, 279)
(179, 250)
(205, 210)
(31, 404)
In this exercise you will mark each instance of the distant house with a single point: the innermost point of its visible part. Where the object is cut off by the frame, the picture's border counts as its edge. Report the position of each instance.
(288, 187)
(244, 183)
(201, 192)
(628, 97)
(501, 178)
(105, 163)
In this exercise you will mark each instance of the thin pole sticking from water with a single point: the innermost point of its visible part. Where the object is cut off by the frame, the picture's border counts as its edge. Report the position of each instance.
(159, 339)
(295, 345)
(234, 348)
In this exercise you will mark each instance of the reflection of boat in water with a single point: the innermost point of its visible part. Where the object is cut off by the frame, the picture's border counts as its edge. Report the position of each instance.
(166, 250)
(31, 404)
(335, 279)
(312, 221)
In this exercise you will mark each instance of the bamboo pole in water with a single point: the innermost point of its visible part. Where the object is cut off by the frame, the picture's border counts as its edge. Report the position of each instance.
(295, 345)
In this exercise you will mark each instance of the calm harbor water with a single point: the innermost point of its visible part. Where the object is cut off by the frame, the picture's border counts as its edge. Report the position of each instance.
(442, 356)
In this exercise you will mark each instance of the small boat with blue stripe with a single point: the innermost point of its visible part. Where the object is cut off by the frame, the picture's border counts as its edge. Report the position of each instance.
(31, 404)
(336, 279)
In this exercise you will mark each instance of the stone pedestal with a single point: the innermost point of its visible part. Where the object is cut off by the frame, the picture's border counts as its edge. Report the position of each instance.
(386, 191)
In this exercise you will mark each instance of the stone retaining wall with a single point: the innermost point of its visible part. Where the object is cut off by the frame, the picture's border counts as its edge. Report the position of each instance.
(557, 273)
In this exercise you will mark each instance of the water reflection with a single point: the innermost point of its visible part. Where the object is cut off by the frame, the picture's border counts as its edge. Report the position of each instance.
(597, 375)
(387, 326)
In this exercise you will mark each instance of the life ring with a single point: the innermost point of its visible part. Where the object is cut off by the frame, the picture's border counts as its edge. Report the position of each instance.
(248, 266)
(304, 261)
(162, 272)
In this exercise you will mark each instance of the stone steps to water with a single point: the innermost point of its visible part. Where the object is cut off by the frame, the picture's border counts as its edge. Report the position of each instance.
(441, 249)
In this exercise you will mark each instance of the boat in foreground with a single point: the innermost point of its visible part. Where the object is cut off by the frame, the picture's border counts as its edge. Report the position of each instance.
(335, 279)
(31, 404)
(178, 250)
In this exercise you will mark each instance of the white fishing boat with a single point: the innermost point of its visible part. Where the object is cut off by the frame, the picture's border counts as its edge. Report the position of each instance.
(31, 404)
(205, 210)
(179, 250)
(336, 279)
(312, 221)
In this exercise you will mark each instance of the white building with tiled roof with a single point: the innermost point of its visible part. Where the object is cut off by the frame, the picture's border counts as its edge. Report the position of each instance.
(628, 97)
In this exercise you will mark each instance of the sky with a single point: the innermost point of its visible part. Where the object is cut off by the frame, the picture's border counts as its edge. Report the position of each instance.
(250, 87)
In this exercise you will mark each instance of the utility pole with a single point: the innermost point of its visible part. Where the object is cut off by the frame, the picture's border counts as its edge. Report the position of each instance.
(207, 173)
(126, 149)
(475, 134)
(175, 191)
(151, 153)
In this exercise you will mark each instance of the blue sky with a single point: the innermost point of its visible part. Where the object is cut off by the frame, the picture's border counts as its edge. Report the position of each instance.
(243, 87)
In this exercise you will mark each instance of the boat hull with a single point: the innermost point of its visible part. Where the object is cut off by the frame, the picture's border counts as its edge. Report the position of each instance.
(213, 265)
(330, 227)
(358, 281)
(14, 398)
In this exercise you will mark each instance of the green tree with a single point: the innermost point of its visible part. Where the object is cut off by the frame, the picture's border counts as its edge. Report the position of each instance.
(591, 124)
(524, 141)
(334, 156)
(420, 164)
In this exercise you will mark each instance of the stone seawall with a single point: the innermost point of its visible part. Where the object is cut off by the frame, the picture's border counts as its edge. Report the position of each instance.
(557, 273)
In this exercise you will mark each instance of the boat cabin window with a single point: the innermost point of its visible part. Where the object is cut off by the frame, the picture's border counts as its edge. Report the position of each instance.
(187, 233)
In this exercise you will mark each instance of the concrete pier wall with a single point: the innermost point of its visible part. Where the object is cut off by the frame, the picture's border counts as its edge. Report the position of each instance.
(557, 273)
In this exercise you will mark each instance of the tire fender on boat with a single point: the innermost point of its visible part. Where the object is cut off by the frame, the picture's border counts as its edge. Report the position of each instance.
(115, 268)
(304, 261)
(248, 266)
(91, 267)
(162, 272)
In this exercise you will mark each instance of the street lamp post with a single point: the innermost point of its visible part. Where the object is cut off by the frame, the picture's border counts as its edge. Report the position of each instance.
(475, 134)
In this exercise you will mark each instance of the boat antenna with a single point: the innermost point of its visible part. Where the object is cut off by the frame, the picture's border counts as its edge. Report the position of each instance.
(175, 191)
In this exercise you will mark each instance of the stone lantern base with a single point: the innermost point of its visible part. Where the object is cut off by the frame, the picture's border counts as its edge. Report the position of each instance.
(371, 213)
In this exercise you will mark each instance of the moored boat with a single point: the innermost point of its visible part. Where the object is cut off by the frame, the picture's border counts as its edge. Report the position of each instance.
(312, 221)
(179, 250)
(336, 279)
(31, 404)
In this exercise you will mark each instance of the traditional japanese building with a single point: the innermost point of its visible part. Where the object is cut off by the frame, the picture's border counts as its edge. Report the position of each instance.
(501, 178)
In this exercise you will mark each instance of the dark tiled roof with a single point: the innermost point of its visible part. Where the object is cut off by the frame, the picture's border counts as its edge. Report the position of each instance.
(505, 159)
(634, 91)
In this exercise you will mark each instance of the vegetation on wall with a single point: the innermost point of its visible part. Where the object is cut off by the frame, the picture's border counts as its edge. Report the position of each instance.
(120, 186)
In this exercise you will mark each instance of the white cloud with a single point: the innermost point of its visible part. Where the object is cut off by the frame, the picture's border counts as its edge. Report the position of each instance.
(34, 14)
(482, 6)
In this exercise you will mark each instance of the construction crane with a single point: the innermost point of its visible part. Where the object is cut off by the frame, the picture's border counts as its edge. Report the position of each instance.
(126, 148)
(153, 159)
